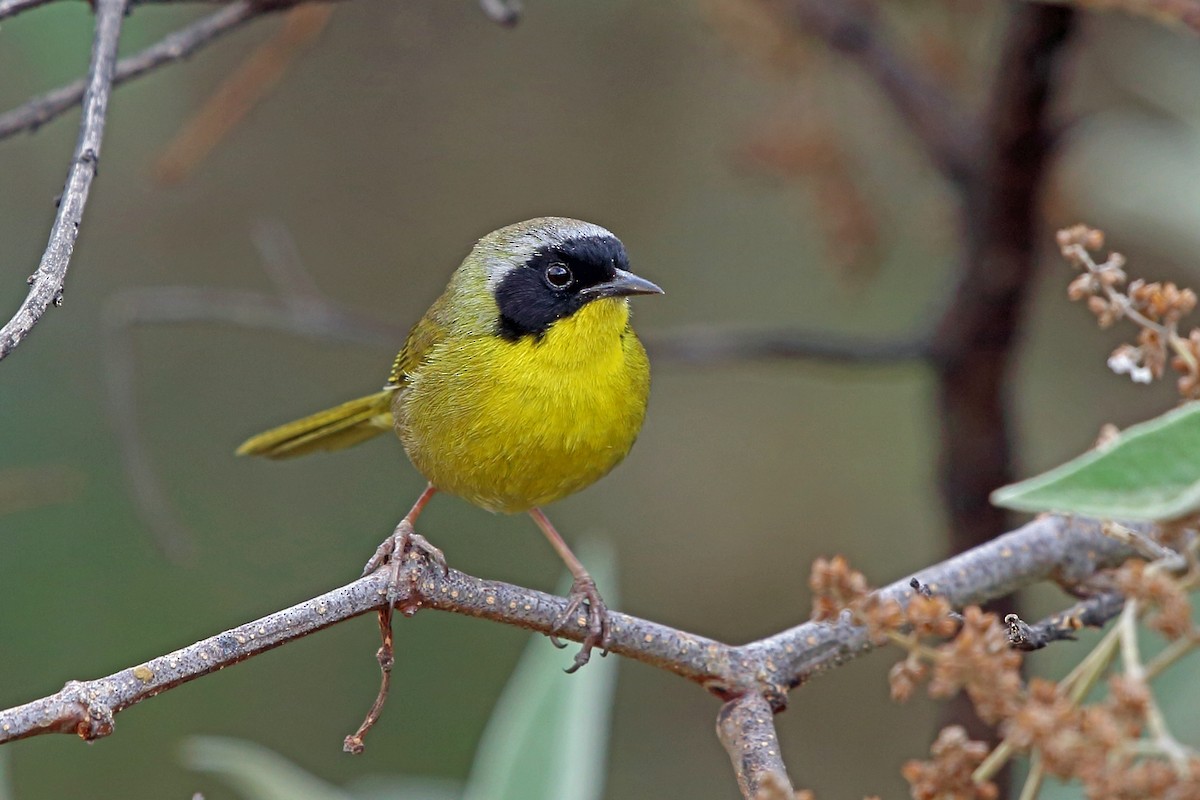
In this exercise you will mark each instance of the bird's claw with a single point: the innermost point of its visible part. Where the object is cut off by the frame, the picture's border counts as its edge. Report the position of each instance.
(404, 542)
(583, 591)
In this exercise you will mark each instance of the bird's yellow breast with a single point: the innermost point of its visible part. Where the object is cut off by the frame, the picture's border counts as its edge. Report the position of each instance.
(510, 425)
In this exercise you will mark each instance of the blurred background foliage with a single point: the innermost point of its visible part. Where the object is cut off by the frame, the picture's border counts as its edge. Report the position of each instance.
(757, 178)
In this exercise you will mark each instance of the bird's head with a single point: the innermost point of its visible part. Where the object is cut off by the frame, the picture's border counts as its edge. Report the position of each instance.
(547, 269)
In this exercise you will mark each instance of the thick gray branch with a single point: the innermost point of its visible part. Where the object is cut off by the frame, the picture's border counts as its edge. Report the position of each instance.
(1051, 547)
(87, 708)
(1059, 548)
(746, 727)
(46, 284)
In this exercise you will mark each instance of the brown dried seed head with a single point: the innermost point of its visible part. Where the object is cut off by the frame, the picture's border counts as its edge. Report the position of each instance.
(930, 616)
(1128, 698)
(835, 586)
(1089, 238)
(904, 676)
(879, 617)
(1110, 275)
(1106, 312)
(1082, 286)
(1153, 351)
(948, 774)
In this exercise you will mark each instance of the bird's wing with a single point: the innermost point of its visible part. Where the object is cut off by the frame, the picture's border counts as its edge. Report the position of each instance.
(423, 336)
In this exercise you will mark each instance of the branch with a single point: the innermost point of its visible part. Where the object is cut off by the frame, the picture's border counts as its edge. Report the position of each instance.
(1093, 612)
(708, 346)
(746, 727)
(173, 47)
(10, 8)
(501, 12)
(47, 282)
(87, 708)
(851, 27)
(1049, 547)
(975, 337)
(298, 313)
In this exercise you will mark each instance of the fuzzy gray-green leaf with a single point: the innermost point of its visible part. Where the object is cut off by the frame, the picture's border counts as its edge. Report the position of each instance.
(1150, 472)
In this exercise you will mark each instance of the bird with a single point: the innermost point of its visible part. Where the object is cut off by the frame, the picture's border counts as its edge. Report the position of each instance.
(523, 383)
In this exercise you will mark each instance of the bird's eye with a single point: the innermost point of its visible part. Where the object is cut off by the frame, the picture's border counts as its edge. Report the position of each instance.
(558, 276)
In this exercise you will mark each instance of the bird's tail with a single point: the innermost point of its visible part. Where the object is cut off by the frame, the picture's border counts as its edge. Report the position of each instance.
(331, 429)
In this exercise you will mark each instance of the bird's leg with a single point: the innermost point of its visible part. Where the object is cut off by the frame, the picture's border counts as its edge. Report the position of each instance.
(405, 539)
(583, 590)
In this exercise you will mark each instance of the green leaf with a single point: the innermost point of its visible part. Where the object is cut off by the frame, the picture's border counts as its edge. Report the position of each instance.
(547, 738)
(256, 772)
(1150, 472)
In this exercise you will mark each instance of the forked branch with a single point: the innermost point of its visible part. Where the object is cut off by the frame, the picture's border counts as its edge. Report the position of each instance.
(46, 283)
(759, 673)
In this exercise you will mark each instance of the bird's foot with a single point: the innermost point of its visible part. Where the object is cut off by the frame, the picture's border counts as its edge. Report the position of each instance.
(402, 544)
(594, 620)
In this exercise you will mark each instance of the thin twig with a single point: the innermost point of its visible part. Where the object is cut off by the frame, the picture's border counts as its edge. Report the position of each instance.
(746, 727)
(502, 12)
(46, 284)
(386, 657)
(853, 28)
(10, 8)
(183, 305)
(709, 346)
(1093, 612)
(281, 261)
(1033, 781)
(173, 47)
(1175, 752)
(1170, 654)
(243, 89)
(1076, 686)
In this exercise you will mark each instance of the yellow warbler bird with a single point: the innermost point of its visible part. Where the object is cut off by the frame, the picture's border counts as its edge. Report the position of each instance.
(523, 383)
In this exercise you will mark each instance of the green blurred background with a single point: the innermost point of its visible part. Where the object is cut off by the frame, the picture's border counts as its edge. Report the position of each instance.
(408, 130)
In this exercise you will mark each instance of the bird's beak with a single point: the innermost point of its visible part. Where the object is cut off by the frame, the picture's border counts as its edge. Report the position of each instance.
(623, 284)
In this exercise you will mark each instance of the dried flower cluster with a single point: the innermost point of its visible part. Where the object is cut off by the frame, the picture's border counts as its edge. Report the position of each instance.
(1156, 308)
(948, 775)
(1118, 747)
(1172, 615)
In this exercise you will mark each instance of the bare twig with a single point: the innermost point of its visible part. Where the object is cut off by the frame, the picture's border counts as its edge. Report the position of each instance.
(173, 47)
(852, 27)
(281, 261)
(1178, 754)
(502, 12)
(242, 90)
(47, 282)
(10, 8)
(709, 346)
(1093, 612)
(387, 659)
(746, 727)
(767, 668)
(183, 305)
